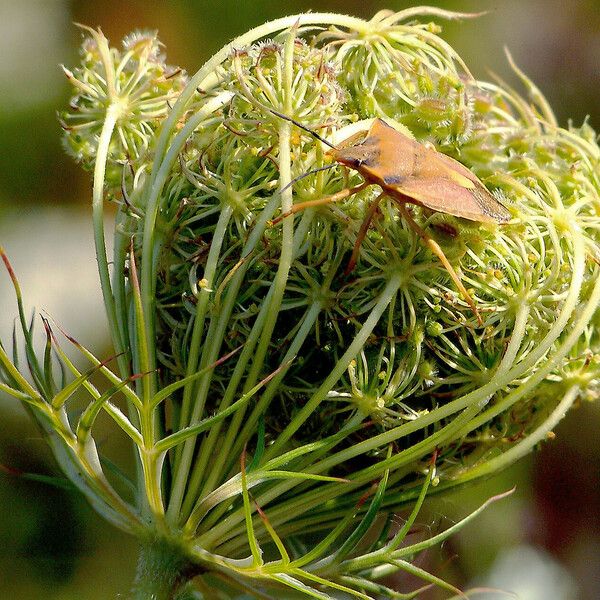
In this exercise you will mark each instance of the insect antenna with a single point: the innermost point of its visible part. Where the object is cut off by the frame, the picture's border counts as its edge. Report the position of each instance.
(248, 95)
(311, 172)
(304, 127)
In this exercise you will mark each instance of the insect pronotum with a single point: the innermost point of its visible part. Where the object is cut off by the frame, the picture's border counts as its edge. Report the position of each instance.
(410, 173)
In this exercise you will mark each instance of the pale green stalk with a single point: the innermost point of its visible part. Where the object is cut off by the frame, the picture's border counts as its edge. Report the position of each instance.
(211, 350)
(235, 440)
(113, 114)
(285, 260)
(202, 307)
(226, 455)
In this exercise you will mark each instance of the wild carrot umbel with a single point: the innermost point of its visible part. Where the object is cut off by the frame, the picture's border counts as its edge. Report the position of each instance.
(281, 408)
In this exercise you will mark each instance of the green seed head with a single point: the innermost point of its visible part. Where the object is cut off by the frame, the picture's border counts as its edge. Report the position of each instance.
(427, 348)
(133, 83)
(290, 337)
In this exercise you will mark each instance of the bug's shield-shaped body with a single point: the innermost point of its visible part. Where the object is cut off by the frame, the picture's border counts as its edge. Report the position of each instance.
(412, 172)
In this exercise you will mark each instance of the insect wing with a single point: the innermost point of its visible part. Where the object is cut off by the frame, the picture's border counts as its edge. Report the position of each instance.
(409, 170)
(444, 195)
(435, 180)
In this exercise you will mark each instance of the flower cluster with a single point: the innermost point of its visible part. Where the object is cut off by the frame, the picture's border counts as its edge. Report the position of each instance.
(133, 85)
(427, 349)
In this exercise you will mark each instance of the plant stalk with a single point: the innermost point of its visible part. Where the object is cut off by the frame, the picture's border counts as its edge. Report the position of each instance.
(162, 571)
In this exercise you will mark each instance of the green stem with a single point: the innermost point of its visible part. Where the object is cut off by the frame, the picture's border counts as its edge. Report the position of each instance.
(205, 453)
(210, 352)
(233, 435)
(285, 259)
(342, 364)
(195, 345)
(162, 571)
(151, 241)
(121, 243)
(112, 115)
(226, 455)
(119, 282)
(202, 308)
(287, 240)
(250, 423)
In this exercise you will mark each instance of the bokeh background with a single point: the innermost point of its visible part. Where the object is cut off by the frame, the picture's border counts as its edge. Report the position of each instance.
(543, 542)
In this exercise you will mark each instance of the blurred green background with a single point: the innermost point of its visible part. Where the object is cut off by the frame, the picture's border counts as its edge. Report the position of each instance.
(543, 542)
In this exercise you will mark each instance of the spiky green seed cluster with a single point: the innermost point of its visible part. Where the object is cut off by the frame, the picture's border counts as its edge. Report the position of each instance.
(256, 76)
(134, 82)
(406, 72)
(427, 349)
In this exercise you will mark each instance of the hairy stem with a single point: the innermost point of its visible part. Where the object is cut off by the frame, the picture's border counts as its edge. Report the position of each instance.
(162, 571)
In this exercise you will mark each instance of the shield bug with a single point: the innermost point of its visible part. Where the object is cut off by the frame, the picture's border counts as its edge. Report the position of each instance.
(410, 173)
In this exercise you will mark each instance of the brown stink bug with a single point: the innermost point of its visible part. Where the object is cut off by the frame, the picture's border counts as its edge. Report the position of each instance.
(410, 173)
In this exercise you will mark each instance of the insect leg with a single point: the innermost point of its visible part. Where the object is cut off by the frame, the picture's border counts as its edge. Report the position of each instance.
(435, 248)
(362, 232)
(341, 195)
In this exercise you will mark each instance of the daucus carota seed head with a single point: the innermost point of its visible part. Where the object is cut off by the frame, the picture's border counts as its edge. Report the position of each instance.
(291, 362)
(133, 83)
(427, 349)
